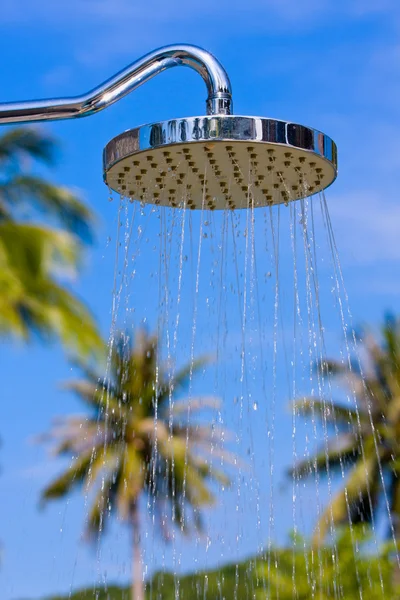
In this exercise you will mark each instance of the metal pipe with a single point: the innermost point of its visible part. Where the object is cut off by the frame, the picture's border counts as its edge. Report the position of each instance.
(219, 100)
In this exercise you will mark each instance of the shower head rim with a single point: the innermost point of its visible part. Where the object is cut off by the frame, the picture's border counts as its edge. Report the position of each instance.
(135, 139)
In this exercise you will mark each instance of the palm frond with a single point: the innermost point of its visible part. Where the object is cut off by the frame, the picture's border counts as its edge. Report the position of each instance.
(353, 503)
(75, 436)
(324, 410)
(101, 508)
(98, 397)
(72, 321)
(106, 461)
(35, 302)
(24, 143)
(339, 453)
(198, 434)
(196, 490)
(55, 201)
(72, 477)
(351, 377)
(181, 378)
(35, 251)
(206, 470)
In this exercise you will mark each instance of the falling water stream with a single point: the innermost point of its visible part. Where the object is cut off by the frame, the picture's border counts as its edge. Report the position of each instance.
(260, 292)
(250, 288)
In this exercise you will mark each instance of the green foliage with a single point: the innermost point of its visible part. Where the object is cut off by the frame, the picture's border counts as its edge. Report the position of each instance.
(343, 570)
(36, 259)
(366, 433)
(138, 438)
(111, 593)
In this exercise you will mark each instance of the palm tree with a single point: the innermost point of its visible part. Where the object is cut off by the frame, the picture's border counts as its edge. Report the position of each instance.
(34, 257)
(365, 442)
(138, 440)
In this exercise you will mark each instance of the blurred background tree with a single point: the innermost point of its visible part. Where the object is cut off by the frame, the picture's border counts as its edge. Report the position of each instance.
(365, 441)
(138, 440)
(43, 228)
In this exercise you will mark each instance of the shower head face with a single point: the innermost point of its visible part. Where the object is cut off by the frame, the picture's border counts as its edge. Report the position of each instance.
(220, 162)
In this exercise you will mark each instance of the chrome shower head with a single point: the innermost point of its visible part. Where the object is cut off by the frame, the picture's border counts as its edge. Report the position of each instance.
(215, 161)
(220, 161)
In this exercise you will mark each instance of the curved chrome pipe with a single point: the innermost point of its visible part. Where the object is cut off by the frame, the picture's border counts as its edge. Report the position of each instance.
(219, 100)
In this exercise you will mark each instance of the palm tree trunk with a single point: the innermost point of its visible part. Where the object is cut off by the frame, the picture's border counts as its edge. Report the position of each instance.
(137, 569)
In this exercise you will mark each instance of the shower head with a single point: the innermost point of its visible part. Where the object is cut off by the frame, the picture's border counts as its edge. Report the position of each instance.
(215, 161)
(220, 161)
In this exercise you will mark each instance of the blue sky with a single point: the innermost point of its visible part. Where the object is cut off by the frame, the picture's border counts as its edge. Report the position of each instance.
(331, 64)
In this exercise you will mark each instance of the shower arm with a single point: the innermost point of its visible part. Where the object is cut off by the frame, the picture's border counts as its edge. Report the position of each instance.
(219, 100)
